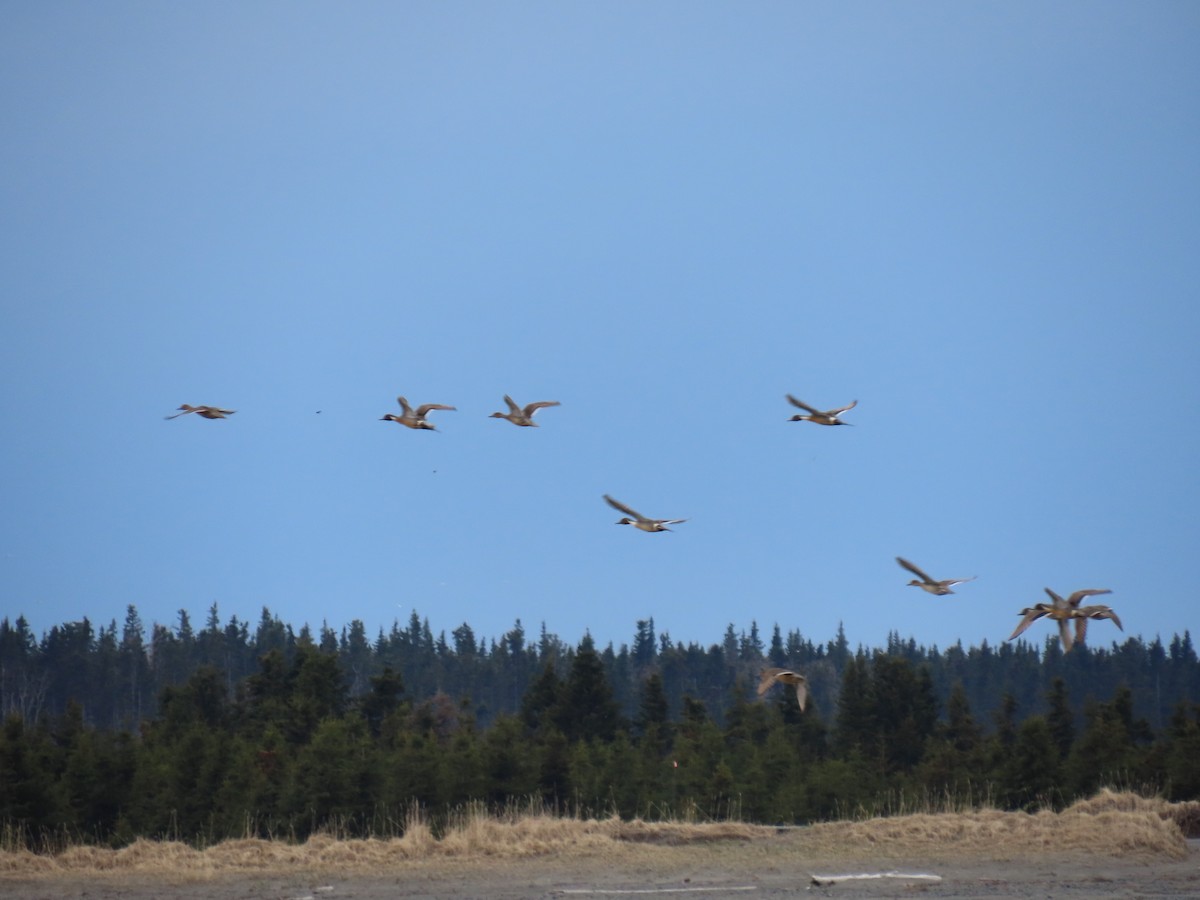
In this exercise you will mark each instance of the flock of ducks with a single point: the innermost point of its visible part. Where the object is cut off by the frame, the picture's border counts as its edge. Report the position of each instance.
(1064, 612)
(1059, 610)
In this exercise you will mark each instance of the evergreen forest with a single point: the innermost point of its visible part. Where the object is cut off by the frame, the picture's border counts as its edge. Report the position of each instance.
(237, 729)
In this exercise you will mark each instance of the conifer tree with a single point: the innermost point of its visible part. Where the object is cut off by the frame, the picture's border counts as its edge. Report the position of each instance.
(382, 700)
(1060, 718)
(1182, 764)
(586, 710)
(652, 722)
(855, 729)
(1030, 774)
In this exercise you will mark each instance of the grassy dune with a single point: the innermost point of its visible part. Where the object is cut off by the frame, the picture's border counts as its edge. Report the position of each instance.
(1112, 824)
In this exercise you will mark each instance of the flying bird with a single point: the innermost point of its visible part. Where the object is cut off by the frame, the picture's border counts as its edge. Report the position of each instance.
(206, 412)
(414, 419)
(522, 416)
(784, 676)
(1063, 612)
(940, 588)
(1084, 613)
(637, 520)
(819, 417)
(1031, 614)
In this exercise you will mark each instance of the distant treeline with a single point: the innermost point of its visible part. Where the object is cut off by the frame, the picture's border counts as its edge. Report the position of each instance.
(230, 730)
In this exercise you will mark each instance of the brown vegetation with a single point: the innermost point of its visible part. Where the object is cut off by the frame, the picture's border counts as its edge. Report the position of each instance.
(1109, 824)
(1185, 814)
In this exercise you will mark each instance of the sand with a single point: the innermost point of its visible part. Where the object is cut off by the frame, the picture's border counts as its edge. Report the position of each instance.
(772, 869)
(1112, 846)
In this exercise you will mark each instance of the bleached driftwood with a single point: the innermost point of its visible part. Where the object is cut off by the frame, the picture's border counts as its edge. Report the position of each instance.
(908, 876)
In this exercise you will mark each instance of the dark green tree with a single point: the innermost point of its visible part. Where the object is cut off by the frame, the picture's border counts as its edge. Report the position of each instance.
(586, 710)
(1060, 717)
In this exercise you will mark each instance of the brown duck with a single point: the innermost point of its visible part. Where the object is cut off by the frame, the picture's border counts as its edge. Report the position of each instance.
(819, 417)
(1063, 611)
(637, 520)
(522, 416)
(940, 588)
(411, 418)
(205, 412)
(784, 676)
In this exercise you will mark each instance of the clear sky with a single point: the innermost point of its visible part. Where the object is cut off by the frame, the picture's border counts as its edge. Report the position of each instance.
(980, 220)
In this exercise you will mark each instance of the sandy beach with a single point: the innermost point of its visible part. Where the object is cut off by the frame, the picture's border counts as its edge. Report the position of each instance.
(1113, 846)
(695, 872)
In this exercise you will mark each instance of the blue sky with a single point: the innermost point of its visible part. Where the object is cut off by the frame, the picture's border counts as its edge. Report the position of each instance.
(979, 220)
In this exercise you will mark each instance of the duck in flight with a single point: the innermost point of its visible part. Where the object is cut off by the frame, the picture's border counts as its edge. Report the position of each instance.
(206, 412)
(411, 418)
(1098, 611)
(1064, 611)
(784, 676)
(522, 416)
(637, 520)
(939, 588)
(819, 417)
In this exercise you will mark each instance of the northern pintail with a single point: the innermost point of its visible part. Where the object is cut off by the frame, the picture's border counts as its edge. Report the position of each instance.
(1097, 611)
(819, 417)
(940, 588)
(637, 520)
(206, 412)
(414, 418)
(522, 416)
(1063, 611)
(784, 676)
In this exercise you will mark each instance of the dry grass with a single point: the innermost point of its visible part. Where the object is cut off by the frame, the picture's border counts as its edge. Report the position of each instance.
(1110, 824)
(1007, 835)
(1185, 814)
(677, 833)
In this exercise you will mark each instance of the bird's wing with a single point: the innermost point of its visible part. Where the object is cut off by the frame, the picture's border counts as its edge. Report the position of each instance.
(404, 407)
(1098, 612)
(426, 407)
(960, 580)
(184, 413)
(803, 405)
(1074, 599)
(767, 679)
(1032, 614)
(534, 407)
(1081, 629)
(836, 412)
(670, 521)
(512, 406)
(802, 692)
(1064, 634)
(1058, 601)
(223, 412)
(621, 507)
(904, 562)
